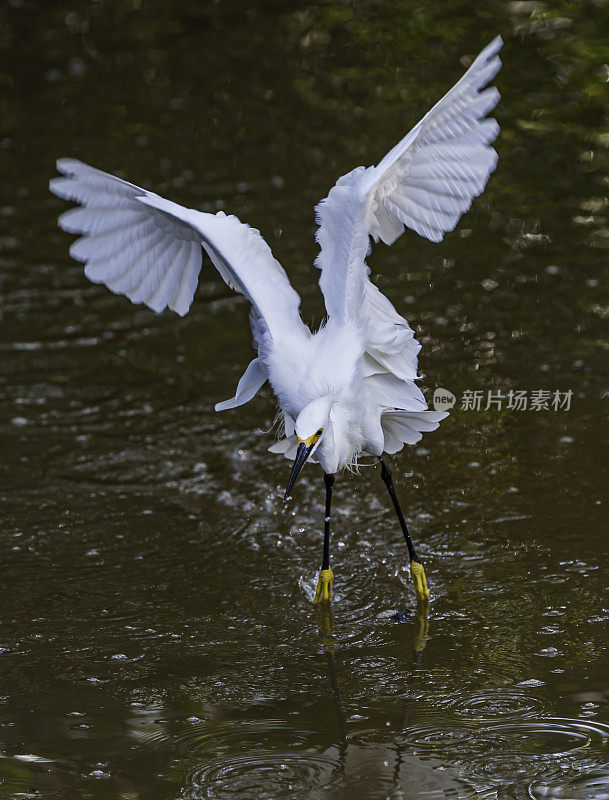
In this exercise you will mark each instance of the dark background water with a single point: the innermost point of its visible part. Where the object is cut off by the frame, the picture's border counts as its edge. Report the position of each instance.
(157, 635)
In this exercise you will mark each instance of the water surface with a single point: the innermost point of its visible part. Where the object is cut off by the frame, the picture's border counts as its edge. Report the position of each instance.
(158, 639)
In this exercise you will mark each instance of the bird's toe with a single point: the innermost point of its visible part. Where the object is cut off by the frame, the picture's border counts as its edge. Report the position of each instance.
(419, 580)
(323, 592)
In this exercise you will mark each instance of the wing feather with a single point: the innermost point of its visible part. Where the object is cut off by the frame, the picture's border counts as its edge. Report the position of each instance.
(407, 427)
(89, 220)
(426, 182)
(251, 381)
(104, 245)
(150, 249)
(169, 276)
(165, 257)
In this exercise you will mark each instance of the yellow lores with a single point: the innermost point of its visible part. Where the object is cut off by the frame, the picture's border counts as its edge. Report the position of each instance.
(312, 440)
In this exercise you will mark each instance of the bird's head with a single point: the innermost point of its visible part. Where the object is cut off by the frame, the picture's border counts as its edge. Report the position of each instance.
(310, 425)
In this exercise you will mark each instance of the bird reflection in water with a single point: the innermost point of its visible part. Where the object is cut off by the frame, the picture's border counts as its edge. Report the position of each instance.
(383, 769)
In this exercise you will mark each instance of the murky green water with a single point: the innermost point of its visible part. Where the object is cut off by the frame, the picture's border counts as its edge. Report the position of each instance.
(157, 635)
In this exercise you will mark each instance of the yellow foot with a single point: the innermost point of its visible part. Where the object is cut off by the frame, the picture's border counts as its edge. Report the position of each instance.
(419, 580)
(324, 586)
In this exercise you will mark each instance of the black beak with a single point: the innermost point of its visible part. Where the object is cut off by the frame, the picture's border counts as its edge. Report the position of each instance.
(302, 454)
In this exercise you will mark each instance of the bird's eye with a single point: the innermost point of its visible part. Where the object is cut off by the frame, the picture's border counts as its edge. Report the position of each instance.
(319, 432)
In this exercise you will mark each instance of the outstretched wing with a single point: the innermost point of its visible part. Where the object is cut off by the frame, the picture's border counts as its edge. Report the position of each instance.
(150, 249)
(426, 182)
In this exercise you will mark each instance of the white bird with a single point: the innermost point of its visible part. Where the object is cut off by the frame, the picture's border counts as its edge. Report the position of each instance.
(348, 388)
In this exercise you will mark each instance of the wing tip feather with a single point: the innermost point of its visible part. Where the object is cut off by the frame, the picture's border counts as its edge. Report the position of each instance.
(70, 166)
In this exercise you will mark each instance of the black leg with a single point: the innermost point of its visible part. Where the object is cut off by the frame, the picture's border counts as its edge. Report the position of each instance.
(326, 578)
(329, 481)
(416, 568)
(386, 476)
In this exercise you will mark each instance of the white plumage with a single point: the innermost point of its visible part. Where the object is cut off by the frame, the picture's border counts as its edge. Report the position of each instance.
(354, 379)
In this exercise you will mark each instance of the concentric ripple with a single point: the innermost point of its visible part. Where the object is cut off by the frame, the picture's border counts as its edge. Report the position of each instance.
(556, 736)
(256, 775)
(194, 738)
(490, 704)
(556, 754)
(538, 738)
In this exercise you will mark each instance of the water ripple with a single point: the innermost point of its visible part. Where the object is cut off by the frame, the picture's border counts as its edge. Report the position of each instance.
(578, 787)
(265, 774)
(547, 737)
(488, 704)
(214, 736)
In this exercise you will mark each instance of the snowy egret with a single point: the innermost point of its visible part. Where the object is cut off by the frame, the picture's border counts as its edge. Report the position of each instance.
(348, 388)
